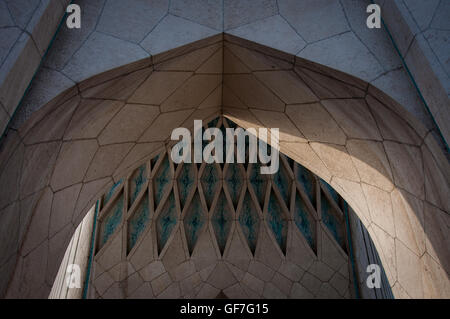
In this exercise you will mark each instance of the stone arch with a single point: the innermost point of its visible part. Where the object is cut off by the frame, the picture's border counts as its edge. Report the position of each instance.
(345, 131)
(306, 261)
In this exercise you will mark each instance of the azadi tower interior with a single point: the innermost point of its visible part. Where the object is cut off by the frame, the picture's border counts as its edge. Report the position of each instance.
(359, 207)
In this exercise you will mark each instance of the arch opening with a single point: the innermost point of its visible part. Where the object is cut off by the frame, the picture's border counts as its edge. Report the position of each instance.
(204, 224)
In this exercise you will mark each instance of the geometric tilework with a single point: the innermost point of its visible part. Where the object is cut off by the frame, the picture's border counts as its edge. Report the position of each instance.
(210, 182)
(221, 221)
(194, 220)
(137, 182)
(333, 218)
(166, 221)
(234, 181)
(306, 180)
(111, 220)
(138, 221)
(249, 222)
(162, 179)
(111, 192)
(305, 221)
(186, 182)
(218, 194)
(277, 221)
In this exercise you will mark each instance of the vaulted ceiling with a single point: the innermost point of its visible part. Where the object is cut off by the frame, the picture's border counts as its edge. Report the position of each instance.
(339, 127)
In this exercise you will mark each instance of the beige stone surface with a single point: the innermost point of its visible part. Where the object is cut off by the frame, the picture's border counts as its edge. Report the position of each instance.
(389, 122)
(349, 114)
(106, 160)
(337, 160)
(37, 233)
(90, 118)
(380, 208)
(245, 87)
(85, 197)
(354, 195)
(119, 88)
(303, 153)
(288, 133)
(315, 123)
(194, 91)
(128, 124)
(409, 276)
(407, 167)
(436, 225)
(152, 271)
(252, 60)
(260, 270)
(287, 86)
(409, 211)
(436, 181)
(197, 60)
(52, 126)
(72, 163)
(325, 87)
(11, 217)
(163, 84)
(41, 158)
(387, 251)
(63, 201)
(371, 163)
(433, 285)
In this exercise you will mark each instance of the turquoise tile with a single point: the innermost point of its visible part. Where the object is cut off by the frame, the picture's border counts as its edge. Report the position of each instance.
(210, 182)
(332, 222)
(137, 182)
(194, 220)
(138, 222)
(277, 221)
(186, 182)
(111, 221)
(283, 182)
(258, 183)
(305, 222)
(234, 179)
(111, 192)
(221, 221)
(249, 222)
(331, 191)
(306, 179)
(162, 180)
(166, 221)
